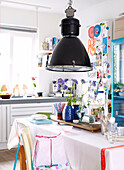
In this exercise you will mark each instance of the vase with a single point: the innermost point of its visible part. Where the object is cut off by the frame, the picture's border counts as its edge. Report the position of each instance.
(80, 113)
(68, 114)
(76, 108)
(34, 91)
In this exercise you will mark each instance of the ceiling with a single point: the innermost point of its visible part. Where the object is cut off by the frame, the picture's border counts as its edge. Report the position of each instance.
(56, 6)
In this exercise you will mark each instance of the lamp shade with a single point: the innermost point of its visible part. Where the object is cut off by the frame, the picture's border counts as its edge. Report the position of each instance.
(70, 55)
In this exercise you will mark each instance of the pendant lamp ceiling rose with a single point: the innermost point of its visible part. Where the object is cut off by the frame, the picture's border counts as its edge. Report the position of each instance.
(70, 11)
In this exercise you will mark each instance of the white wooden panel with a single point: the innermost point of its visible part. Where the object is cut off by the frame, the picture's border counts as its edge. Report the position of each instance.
(119, 24)
(3, 123)
(8, 120)
(13, 106)
(0, 124)
(18, 116)
(26, 110)
(119, 34)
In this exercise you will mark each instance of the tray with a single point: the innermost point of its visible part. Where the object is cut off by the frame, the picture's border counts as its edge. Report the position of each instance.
(86, 126)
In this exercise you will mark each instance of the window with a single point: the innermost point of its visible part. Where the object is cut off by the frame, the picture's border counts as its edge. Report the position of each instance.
(17, 58)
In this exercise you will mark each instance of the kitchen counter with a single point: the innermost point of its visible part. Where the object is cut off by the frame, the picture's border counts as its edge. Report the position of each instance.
(32, 100)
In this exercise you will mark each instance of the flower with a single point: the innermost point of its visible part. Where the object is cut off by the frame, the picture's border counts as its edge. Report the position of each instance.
(33, 78)
(74, 81)
(94, 83)
(60, 81)
(62, 86)
(59, 86)
(65, 80)
(65, 87)
(34, 81)
(83, 81)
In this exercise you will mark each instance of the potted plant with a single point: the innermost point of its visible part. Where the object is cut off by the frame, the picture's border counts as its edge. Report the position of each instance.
(70, 113)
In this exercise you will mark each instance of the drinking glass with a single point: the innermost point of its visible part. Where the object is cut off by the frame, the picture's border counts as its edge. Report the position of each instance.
(112, 133)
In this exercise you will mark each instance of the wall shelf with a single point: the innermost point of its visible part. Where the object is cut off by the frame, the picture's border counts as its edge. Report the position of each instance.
(119, 97)
(45, 52)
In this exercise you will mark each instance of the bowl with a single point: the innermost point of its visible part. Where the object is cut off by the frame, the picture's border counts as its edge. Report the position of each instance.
(121, 93)
(75, 121)
(5, 96)
(67, 128)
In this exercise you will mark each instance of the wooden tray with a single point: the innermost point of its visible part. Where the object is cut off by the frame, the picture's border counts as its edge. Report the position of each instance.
(86, 126)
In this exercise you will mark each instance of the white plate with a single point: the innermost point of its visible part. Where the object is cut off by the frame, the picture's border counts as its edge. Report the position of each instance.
(38, 116)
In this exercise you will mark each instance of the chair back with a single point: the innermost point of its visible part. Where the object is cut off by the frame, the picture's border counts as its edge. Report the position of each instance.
(28, 146)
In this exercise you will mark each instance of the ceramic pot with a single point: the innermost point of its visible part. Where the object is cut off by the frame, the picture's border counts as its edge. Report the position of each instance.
(76, 108)
(69, 114)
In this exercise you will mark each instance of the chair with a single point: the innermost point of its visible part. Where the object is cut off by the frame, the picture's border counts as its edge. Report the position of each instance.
(28, 146)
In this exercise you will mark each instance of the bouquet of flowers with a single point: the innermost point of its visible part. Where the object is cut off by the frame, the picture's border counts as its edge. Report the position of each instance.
(62, 85)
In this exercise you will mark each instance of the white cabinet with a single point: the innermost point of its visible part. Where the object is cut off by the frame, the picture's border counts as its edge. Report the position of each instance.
(10, 112)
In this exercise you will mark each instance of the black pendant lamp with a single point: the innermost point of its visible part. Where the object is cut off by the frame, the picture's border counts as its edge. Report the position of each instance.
(70, 54)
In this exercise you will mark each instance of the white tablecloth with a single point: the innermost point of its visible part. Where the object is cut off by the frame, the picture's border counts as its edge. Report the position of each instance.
(82, 147)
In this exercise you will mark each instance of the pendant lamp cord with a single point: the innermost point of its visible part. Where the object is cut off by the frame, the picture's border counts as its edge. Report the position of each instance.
(70, 3)
(0, 15)
(37, 25)
(37, 21)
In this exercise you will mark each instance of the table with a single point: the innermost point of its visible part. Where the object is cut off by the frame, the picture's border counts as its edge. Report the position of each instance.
(82, 147)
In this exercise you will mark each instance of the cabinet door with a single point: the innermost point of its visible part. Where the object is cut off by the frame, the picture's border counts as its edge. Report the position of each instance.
(3, 123)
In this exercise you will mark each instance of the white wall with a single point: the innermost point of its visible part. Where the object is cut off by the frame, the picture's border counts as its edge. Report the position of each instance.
(110, 9)
(46, 78)
(48, 22)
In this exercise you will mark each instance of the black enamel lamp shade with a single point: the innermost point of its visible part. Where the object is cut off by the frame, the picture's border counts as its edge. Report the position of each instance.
(70, 54)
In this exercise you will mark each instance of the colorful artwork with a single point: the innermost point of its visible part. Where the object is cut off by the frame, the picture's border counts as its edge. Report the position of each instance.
(91, 32)
(105, 45)
(97, 30)
(98, 43)
(99, 40)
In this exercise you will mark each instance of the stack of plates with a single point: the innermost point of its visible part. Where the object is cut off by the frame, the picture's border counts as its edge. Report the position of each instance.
(38, 116)
(39, 119)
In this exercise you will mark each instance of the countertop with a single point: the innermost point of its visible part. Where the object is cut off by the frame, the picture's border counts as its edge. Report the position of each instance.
(32, 100)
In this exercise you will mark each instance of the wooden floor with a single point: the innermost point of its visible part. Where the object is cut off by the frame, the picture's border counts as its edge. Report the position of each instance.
(7, 159)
